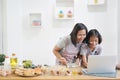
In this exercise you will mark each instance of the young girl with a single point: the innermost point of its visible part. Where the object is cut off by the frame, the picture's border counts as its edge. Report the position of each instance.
(90, 46)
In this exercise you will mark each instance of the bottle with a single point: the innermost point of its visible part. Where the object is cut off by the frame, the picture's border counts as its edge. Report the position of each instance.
(13, 61)
(95, 1)
(7, 68)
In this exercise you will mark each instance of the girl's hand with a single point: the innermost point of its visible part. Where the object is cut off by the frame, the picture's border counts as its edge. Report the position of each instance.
(63, 61)
(84, 65)
(84, 61)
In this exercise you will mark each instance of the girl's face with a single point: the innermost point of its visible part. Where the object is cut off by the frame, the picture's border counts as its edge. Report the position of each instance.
(93, 41)
(81, 35)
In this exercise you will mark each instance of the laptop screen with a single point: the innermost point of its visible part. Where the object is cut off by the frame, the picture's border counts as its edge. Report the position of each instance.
(101, 64)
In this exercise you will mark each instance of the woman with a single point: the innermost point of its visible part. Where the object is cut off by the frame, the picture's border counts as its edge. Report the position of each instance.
(67, 47)
(90, 46)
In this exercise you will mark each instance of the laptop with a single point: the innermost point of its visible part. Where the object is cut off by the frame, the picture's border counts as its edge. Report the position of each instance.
(101, 64)
(118, 62)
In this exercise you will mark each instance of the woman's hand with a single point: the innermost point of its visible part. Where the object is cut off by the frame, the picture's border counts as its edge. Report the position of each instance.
(78, 62)
(63, 61)
(56, 51)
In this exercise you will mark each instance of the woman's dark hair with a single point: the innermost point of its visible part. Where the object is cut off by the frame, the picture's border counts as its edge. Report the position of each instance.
(93, 32)
(77, 27)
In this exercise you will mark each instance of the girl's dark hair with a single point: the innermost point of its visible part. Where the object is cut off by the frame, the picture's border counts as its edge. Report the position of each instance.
(93, 32)
(73, 34)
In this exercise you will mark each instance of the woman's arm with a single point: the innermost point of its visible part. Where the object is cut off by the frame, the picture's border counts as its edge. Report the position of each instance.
(59, 57)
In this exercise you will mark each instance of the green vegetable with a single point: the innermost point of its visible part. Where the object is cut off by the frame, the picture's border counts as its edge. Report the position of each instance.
(27, 63)
(2, 58)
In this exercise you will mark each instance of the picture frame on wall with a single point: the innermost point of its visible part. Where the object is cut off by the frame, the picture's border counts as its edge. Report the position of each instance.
(35, 19)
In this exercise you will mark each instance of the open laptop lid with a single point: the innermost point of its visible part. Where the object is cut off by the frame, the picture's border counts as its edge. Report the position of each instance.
(101, 64)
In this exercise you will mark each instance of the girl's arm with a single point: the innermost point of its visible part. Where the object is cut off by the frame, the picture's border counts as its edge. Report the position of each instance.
(84, 61)
(59, 57)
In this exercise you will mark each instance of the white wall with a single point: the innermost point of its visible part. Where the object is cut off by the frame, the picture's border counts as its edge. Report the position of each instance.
(118, 18)
(37, 43)
(118, 26)
(1, 45)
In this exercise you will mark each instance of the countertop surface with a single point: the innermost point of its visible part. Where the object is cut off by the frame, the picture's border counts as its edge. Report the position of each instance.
(72, 77)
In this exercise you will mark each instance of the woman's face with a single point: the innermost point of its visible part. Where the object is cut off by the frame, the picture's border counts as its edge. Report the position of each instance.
(81, 35)
(93, 41)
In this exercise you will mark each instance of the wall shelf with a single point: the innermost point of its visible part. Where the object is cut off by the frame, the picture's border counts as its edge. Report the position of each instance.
(96, 2)
(35, 19)
(64, 9)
